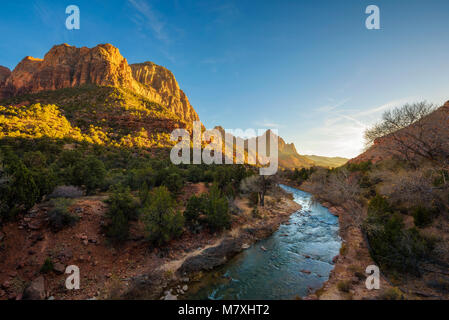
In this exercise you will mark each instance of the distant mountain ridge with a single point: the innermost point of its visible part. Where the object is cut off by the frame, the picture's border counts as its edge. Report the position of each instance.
(96, 90)
(288, 156)
(327, 162)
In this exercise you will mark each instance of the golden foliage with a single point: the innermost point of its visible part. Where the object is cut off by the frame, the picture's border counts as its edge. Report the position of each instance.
(37, 121)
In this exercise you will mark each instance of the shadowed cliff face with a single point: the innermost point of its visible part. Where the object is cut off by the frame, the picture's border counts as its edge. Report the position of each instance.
(66, 66)
(4, 74)
(160, 85)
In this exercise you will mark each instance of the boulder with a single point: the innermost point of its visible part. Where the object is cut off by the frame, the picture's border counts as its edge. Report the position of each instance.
(211, 257)
(66, 192)
(170, 296)
(35, 225)
(36, 290)
(59, 268)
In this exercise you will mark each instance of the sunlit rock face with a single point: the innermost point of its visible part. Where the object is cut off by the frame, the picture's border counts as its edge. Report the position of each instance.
(66, 66)
(160, 85)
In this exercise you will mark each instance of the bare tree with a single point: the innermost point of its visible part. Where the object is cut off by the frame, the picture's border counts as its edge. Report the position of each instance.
(415, 131)
(336, 187)
(408, 188)
(259, 184)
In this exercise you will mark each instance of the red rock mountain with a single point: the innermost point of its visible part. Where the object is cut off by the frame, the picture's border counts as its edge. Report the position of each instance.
(4, 74)
(288, 156)
(66, 66)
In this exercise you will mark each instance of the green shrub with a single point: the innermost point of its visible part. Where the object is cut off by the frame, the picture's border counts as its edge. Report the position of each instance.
(138, 177)
(59, 216)
(47, 266)
(19, 191)
(301, 175)
(174, 182)
(34, 159)
(395, 248)
(45, 179)
(360, 167)
(122, 209)
(379, 207)
(217, 215)
(162, 221)
(392, 294)
(222, 176)
(422, 216)
(90, 173)
(194, 208)
(195, 174)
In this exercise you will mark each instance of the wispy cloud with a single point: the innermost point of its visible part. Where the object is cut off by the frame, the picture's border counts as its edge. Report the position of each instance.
(340, 132)
(268, 124)
(384, 107)
(147, 17)
(333, 105)
(44, 13)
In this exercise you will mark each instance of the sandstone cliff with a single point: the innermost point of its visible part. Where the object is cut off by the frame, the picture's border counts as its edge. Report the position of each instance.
(4, 74)
(289, 157)
(160, 85)
(66, 66)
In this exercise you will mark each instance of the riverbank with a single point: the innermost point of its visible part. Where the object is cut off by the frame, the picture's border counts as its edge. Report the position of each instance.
(347, 279)
(171, 280)
(109, 271)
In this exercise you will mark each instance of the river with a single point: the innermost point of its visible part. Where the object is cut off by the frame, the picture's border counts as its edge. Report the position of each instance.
(297, 258)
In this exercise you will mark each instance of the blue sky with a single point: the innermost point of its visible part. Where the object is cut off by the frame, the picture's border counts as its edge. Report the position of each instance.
(308, 68)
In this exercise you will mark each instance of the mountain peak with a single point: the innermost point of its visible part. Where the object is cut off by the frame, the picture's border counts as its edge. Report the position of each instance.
(66, 66)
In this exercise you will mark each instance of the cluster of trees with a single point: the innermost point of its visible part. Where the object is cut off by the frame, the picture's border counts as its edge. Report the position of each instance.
(160, 213)
(393, 246)
(210, 209)
(37, 121)
(299, 176)
(20, 186)
(140, 186)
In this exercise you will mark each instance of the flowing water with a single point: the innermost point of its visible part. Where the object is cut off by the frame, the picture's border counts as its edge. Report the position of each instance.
(308, 242)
